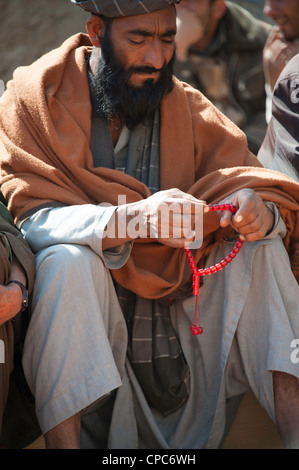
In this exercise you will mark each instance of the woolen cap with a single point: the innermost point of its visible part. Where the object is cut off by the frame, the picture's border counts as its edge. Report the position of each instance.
(118, 8)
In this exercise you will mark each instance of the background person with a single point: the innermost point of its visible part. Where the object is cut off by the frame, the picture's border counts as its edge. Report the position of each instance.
(282, 43)
(17, 267)
(280, 149)
(255, 7)
(220, 52)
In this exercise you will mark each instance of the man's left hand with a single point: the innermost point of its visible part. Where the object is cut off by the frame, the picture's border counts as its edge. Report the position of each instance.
(253, 219)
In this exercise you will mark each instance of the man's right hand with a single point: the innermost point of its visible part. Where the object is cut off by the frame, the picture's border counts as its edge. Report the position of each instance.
(172, 217)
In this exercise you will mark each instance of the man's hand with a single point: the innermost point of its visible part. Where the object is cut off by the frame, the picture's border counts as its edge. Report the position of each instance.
(172, 217)
(253, 220)
(10, 302)
(11, 295)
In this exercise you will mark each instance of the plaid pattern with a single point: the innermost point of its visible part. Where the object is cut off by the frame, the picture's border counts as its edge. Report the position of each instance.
(118, 8)
(140, 158)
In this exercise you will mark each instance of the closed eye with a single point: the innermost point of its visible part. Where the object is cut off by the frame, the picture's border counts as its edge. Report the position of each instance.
(137, 42)
(138, 36)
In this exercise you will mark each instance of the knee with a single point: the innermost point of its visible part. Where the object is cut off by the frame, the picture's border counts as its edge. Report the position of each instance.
(67, 261)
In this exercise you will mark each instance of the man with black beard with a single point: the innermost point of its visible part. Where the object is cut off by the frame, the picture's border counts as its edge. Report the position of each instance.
(109, 174)
(116, 97)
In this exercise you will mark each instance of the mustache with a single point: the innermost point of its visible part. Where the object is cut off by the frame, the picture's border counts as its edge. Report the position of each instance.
(146, 70)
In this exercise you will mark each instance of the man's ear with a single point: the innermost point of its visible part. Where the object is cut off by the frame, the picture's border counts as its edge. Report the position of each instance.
(219, 8)
(95, 29)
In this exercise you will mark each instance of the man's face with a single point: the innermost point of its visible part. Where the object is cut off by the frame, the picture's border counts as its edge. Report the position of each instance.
(286, 14)
(136, 67)
(144, 41)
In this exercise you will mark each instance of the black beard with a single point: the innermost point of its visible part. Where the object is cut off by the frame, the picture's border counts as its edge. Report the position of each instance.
(115, 97)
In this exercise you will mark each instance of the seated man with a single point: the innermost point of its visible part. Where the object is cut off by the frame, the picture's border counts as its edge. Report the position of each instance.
(16, 280)
(108, 163)
(282, 43)
(280, 149)
(220, 52)
(255, 7)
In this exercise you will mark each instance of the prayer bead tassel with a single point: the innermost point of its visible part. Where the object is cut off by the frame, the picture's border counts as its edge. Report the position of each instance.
(196, 328)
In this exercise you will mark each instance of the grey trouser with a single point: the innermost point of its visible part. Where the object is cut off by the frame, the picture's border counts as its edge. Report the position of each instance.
(75, 350)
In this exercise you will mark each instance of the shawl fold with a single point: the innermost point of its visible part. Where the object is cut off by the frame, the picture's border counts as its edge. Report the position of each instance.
(45, 121)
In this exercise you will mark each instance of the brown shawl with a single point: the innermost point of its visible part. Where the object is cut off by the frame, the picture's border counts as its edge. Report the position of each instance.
(45, 119)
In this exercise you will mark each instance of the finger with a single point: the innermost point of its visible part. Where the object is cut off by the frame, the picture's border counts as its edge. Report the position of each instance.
(181, 205)
(252, 237)
(225, 218)
(249, 206)
(253, 231)
(240, 220)
(175, 193)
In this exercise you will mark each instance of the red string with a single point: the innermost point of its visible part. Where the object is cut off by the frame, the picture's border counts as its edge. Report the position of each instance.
(196, 328)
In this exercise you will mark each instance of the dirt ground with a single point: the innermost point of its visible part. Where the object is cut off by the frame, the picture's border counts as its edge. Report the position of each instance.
(29, 28)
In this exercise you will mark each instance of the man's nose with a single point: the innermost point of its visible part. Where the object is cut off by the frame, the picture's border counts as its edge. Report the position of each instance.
(154, 56)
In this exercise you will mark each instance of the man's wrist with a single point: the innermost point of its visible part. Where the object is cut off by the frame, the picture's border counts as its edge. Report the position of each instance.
(116, 229)
(24, 292)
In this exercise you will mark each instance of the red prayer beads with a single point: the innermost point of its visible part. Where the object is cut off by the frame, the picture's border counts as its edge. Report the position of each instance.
(196, 328)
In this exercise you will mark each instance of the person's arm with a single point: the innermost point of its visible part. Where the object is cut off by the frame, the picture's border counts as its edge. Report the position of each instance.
(106, 228)
(83, 225)
(277, 53)
(79, 224)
